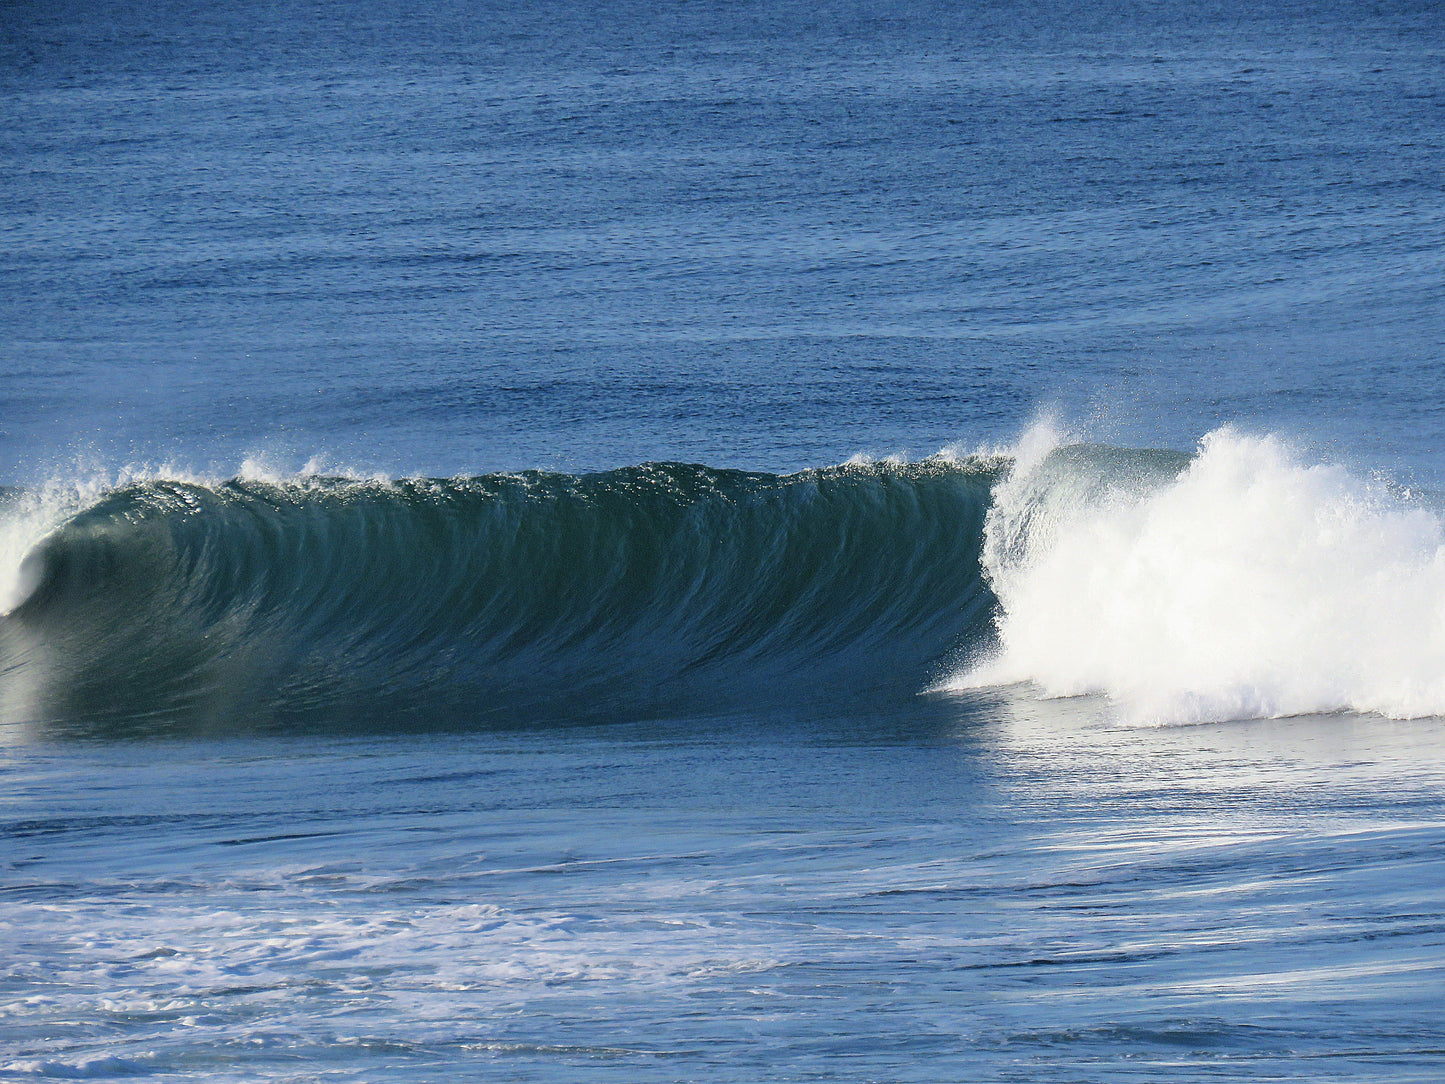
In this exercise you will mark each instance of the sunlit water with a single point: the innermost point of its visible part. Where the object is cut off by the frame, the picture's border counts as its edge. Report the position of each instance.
(1006, 893)
(911, 738)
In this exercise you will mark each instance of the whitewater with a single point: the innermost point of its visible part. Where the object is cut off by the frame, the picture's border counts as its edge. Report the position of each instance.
(1245, 583)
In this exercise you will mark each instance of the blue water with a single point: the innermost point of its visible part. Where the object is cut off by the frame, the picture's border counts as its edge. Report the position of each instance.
(761, 541)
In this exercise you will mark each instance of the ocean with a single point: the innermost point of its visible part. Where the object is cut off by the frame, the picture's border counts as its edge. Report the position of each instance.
(734, 542)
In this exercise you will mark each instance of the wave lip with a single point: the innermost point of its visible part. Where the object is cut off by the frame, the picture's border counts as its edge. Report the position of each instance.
(503, 597)
(1242, 582)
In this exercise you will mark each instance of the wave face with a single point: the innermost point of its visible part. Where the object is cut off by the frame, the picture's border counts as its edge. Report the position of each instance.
(1241, 582)
(497, 600)
(1237, 582)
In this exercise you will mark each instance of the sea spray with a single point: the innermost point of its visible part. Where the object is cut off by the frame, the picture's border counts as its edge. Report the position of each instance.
(1243, 582)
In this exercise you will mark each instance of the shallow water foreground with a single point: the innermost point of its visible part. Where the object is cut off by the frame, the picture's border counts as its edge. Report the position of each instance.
(985, 887)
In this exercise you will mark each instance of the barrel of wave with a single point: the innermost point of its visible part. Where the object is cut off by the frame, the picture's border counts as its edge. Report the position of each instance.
(27, 516)
(493, 600)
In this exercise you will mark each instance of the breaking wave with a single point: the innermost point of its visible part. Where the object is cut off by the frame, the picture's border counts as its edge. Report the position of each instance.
(1240, 581)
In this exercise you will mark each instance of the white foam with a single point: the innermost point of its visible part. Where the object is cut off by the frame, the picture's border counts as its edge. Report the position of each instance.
(867, 459)
(101, 1067)
(263, 467)
(1255, 584)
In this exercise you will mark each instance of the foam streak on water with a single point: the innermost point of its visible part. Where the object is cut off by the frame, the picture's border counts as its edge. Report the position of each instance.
(742, 905)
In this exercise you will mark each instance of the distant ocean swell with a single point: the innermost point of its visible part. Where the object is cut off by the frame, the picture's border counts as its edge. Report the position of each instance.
(1241, 581)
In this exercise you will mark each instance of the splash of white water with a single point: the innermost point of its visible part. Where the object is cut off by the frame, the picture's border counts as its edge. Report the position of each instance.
(1252, 584)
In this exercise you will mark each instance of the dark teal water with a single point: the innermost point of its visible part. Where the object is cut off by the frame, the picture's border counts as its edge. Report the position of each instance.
(528, 549)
